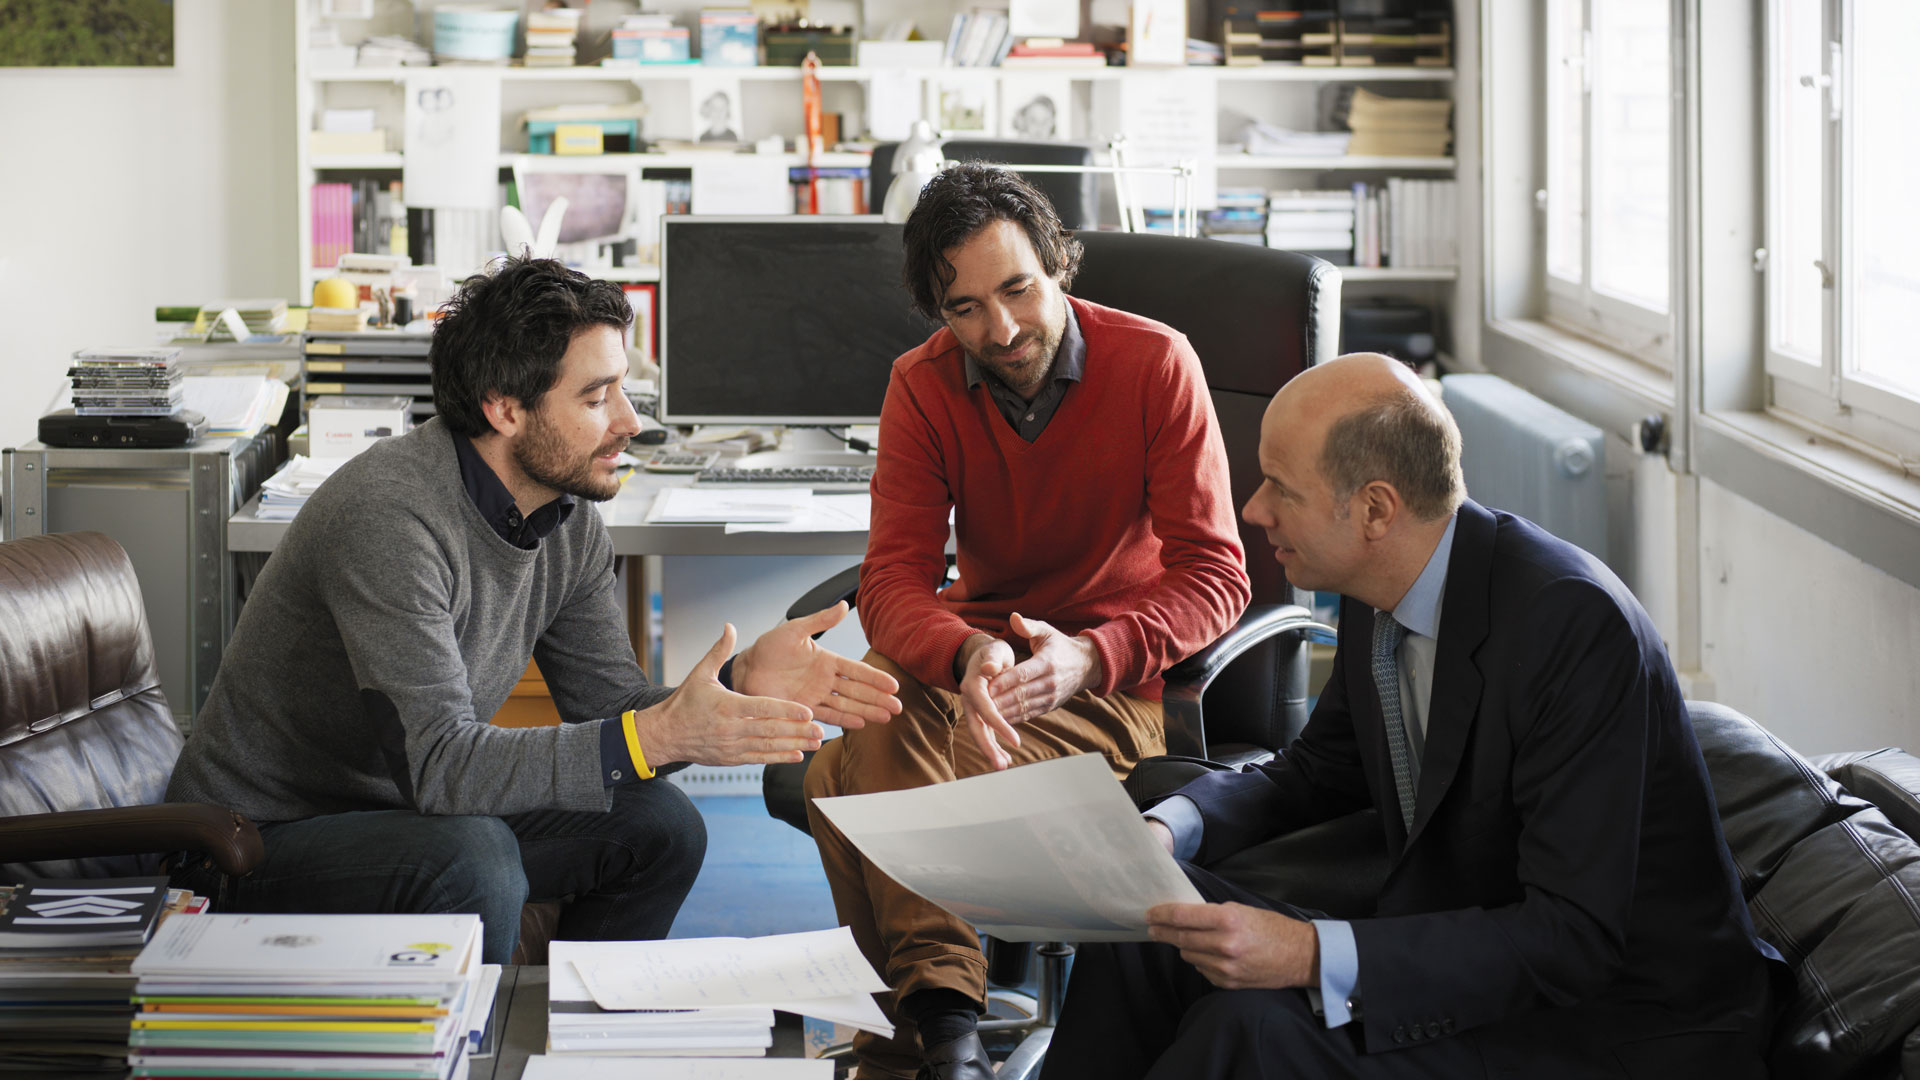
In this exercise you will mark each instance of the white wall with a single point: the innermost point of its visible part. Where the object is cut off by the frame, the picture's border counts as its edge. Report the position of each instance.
(126, 188)
(1819, 647)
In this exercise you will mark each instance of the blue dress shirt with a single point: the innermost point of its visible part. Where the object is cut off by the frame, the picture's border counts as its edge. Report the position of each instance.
(1419, 612)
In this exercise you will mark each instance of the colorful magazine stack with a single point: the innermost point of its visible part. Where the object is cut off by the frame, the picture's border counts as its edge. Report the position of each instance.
(550, 36)
(388, 996)
(127, 382)
(66, 952)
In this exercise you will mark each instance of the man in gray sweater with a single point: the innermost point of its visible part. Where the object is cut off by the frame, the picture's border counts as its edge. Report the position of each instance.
(349, 715)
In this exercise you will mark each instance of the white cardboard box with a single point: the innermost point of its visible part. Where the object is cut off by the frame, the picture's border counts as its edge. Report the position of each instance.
(340, 427)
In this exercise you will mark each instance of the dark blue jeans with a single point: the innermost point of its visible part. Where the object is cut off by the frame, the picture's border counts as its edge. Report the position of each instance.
(620, 876)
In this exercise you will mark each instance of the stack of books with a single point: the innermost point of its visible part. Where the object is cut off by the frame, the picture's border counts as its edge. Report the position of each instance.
(576, 1025)
(267, 315)
(315, 995)
(391, 50)
(982, 38)
(66, 953)
(285, 492)
(337, 320)
(1052, 53)
(649, 38)
(550, 36)
(127, 382)
(1316, 223)
(1240, 216)
(1399, 127)
(1406, 223)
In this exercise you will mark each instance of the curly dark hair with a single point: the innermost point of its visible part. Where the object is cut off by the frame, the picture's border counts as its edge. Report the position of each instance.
(963, 199)
(505, 331)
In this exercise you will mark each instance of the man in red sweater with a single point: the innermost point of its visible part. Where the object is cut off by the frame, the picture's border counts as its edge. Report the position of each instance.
(1077, 450)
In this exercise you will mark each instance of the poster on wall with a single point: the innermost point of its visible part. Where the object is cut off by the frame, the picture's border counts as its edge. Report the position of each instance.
(86, 33)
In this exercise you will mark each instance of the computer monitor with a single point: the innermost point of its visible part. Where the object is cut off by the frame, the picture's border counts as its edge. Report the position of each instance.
(790, 320)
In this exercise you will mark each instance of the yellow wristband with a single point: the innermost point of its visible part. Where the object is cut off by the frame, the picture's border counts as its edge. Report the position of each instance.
(640, 766)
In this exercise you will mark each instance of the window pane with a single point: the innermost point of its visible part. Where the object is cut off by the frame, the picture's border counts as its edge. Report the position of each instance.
(1797, 151)
(1630, 111)
(1883, 289)
(1566, 123)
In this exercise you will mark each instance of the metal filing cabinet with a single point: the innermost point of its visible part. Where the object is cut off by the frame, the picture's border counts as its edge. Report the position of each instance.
(169, 509)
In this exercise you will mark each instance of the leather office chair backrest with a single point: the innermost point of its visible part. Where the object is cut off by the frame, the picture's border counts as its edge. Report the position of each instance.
(83, 723)
(1257, 317)
(1075, 196)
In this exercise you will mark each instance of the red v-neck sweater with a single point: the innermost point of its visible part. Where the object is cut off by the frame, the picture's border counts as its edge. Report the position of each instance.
(1116, 521)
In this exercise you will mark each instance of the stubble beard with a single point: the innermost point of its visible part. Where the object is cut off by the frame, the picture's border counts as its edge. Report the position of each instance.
(543, 456)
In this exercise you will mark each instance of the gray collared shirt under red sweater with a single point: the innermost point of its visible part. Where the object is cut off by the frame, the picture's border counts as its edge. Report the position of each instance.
(391, 598)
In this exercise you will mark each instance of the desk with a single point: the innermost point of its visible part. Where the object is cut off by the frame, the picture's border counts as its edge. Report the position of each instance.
(625, 515)
(520, 1010)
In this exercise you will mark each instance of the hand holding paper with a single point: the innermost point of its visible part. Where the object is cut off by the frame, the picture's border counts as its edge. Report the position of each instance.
(1052, 851)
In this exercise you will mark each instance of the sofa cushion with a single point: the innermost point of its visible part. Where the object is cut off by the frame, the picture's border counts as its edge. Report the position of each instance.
(1889, 779)
(1831, 884)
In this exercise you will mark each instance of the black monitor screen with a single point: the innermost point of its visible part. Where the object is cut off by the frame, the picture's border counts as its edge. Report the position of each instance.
(792, 320)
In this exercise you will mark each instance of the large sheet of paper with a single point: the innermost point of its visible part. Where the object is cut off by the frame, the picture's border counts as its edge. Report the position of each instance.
(786, 971)
(691, 506)
(453, 139)
(822, 513)
(741, 184)
(544, 1067)
(1053, 851)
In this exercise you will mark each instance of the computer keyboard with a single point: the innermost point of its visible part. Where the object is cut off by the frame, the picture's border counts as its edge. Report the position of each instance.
(817, 477)
(681, 461)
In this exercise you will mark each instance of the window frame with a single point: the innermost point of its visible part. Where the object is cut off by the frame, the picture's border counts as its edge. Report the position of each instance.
(1580, 307)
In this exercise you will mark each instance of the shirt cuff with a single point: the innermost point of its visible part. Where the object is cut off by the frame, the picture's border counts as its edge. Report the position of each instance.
(1339, 970)
(616, 764)
(1181, 816)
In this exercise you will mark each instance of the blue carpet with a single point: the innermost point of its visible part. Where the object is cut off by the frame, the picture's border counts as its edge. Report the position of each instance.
(761, 876)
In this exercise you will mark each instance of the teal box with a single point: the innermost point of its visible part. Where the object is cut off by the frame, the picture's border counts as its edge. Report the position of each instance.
(615, 130)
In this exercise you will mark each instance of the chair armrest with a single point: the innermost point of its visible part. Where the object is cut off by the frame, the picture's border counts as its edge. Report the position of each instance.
(1260, 623)
(841, 586)
(223, 835)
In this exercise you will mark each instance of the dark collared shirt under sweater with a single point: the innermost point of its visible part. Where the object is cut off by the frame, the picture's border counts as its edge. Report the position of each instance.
(1029, 418)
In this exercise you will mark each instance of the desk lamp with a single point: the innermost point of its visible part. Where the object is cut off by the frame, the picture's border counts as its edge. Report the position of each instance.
(918, 160)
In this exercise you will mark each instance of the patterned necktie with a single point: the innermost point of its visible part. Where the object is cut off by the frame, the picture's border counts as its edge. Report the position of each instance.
(1387, 633)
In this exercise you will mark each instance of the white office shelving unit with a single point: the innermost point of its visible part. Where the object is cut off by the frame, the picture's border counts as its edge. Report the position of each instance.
(1283, 95)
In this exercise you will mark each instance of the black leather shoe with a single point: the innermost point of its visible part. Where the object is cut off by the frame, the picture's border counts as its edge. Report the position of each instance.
(961, 1059)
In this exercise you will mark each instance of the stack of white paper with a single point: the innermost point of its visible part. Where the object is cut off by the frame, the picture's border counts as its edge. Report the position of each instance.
(326, 994)
(542, 1067)
(285, 492)
(235, 404)
(698, 996)
(697, 506)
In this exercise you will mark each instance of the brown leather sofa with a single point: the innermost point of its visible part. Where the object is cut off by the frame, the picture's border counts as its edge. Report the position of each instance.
(87, 741)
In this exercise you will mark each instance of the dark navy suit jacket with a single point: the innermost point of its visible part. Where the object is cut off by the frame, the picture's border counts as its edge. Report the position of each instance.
(1564, 890)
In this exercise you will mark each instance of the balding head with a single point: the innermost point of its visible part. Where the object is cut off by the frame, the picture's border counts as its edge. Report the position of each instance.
(1373, 421)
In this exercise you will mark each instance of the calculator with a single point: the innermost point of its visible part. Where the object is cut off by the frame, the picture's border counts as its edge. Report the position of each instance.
(681, 461)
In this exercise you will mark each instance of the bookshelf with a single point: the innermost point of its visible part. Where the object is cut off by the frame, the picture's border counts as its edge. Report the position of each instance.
(1287, 95)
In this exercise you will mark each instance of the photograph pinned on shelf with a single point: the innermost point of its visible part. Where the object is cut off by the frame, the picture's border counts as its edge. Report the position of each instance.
(1036, 107)
(716, 110)
(963, 104)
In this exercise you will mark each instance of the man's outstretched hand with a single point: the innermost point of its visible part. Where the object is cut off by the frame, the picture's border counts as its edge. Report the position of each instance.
(787, 663)
(707, 724)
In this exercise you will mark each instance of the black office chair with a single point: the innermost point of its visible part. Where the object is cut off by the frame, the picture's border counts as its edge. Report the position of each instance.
(1075, 196)
(1256, 317)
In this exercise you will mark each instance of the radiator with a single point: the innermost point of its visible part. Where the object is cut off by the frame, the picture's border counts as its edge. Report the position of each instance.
(1529, 458)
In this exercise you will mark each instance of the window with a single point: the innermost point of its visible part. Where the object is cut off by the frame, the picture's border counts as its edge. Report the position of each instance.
(1843, 226)
(1607, 192)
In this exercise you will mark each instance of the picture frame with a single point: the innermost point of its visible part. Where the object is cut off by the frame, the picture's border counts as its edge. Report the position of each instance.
(601, 192)
(644, 298)
(1036, 107)
(714, 106)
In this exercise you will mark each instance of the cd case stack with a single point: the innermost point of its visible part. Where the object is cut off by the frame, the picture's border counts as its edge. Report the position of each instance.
(127, 382)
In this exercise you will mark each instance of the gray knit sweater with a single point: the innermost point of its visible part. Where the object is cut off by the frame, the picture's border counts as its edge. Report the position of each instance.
(385, 631)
